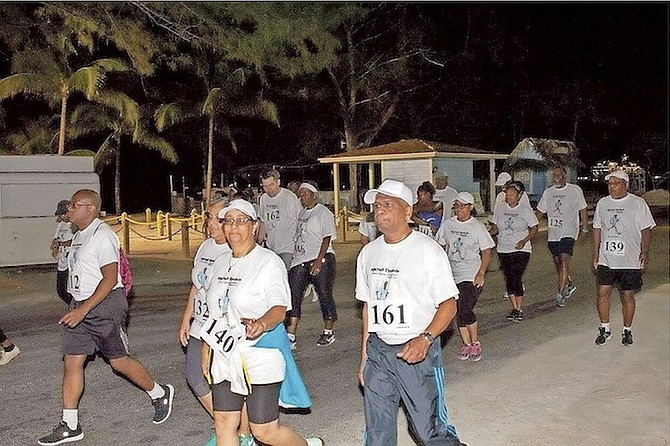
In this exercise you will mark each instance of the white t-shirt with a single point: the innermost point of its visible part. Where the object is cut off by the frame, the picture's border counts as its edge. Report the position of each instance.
(513, 224)
(368, 229)
(446, 196)
(500, 199)
(464, 241)
(63, 234)
(403, 284)
(280, 215)
(620, 222)
(248, 287)
(562, 207)
(92, 248)
(208, 252)
(313, 226)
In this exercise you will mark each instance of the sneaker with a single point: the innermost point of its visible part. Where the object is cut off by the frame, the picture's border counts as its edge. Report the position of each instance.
(163, 405)
(325, 339)
(519, 316)
(6, 356)
(604, 336)
(506, 296)
(512, 315)
(292, 341)
(464, 352)
(569, 290)
(314, 441)
(560, 300)
(475, 352)
(62, 434)
(626, 338)
(247, 440)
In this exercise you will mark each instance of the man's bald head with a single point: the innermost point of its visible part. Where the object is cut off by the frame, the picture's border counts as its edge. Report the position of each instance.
(90, 195)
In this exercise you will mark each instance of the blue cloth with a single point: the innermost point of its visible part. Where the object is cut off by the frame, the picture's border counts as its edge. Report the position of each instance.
(430, 217)
(292, 393)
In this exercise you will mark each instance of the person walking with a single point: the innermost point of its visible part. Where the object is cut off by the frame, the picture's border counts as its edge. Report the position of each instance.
(313, 262)
(444, 192)
(515, 225)
(247, 296)
(404, 281)
(622, 225)
(468, 245)
(427, 212)
(279, 209)
(60, 248)
(9, 351)
(565, 207)
(96, 319)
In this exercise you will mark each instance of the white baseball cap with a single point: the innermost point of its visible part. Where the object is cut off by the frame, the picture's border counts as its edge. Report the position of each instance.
(464, 197)
(620, 174)
(503, 178)
(241, 205)
(392, 188)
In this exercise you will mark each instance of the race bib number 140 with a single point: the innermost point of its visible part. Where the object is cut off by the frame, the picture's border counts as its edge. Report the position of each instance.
(220, 336)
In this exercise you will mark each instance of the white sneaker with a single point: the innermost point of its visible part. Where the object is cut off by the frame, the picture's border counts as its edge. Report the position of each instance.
(6, 356)
(314, 441)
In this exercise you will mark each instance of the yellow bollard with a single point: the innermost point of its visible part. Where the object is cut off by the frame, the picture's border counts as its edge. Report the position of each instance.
(125, 230)
(185, 248)
(159, 223)
(168, 225)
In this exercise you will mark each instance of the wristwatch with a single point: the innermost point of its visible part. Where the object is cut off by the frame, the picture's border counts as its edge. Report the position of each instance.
(428, 336)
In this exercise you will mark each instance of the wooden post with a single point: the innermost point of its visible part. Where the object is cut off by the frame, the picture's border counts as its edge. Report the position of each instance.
(168, 225)
(147, 214)
(125, 230)
(342, 228)
(185, 249)
(159, 223)
(492, 184)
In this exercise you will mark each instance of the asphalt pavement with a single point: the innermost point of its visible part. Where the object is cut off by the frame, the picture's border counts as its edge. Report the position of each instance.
(540, 382)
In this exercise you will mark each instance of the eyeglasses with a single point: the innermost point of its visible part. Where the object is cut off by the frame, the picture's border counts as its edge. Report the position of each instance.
(238, 221)
(77, 205)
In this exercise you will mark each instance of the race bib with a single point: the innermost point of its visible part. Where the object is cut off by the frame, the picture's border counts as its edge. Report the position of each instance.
(220, 336)
(615, 247)
(389, 316)
(555, 222)
(200, 308)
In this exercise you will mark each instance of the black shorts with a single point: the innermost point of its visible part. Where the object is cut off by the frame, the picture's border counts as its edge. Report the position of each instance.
(262, 402)
(627, 279)
(102, 330)
(563, 246)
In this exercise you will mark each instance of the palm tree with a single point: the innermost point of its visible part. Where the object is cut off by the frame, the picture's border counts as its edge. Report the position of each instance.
(33, 137)
(54, 83)
(91, 119)
(221, 104)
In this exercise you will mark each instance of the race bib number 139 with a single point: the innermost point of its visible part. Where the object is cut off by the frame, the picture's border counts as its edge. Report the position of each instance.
(615, 247)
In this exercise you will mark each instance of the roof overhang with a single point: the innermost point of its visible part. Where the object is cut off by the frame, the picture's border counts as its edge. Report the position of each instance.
(353, 158)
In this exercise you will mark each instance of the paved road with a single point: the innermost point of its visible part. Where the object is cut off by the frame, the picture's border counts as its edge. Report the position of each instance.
(540, 382)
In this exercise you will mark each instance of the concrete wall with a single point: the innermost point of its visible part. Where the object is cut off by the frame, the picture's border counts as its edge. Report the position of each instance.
(30, 188)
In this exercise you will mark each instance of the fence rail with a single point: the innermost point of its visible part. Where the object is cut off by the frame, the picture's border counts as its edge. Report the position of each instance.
(158, 227)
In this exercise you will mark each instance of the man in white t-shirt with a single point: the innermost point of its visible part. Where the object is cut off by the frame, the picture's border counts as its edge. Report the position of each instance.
(565, 207)
(279, 211)
(444, 193)
(60, 246)
(622, 225)
(96, 318)
(409, 298)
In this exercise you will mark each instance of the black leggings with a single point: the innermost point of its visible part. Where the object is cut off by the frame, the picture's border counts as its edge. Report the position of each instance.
(513, 265)
(3, 338)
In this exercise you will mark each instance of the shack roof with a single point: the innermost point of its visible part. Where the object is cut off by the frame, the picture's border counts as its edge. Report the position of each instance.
(411, 149)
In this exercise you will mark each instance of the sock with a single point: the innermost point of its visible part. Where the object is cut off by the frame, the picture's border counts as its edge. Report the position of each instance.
(156, 392)
(606, 326)
(291, 337)
(328, 332)
(625, 328)
(10, 348)
(71, 418)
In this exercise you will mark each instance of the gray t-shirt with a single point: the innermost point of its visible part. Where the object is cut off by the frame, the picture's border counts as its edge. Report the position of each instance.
(280, 215)
(562, 206)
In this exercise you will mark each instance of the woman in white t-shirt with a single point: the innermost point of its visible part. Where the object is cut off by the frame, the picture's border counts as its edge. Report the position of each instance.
(515, 225)
(468, 245)
(247, 297)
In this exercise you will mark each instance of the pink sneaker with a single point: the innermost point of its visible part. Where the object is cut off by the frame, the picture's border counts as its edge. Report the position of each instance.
(475, 352)
(464, 352)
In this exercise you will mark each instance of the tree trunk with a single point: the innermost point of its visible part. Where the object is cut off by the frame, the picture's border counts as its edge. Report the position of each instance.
(117, 181)
(210, 150)
(61, 132)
